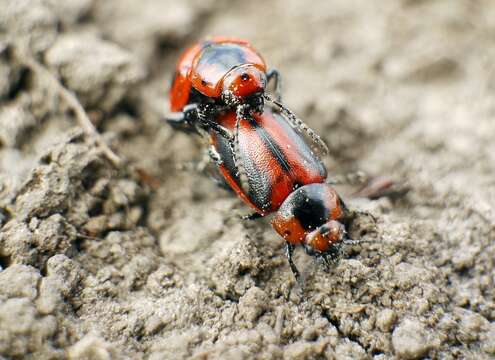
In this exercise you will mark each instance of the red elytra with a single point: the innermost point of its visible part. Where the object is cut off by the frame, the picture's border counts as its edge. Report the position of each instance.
(214, 65)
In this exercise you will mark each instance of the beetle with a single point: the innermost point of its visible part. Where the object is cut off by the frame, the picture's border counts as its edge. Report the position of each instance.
(278, 174)
(223, 74)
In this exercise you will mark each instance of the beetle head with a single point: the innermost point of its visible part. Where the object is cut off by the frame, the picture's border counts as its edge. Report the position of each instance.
(245, 85)
(322, 239)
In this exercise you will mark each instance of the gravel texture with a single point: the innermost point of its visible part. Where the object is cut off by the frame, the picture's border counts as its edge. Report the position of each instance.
(149, 260)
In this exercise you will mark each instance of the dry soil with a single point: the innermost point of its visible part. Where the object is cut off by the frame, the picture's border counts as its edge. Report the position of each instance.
(148, 260)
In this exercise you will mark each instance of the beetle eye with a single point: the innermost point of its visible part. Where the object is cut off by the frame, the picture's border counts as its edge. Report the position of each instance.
(244, 77)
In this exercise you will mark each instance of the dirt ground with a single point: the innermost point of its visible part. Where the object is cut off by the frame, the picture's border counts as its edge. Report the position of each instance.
(150, 261)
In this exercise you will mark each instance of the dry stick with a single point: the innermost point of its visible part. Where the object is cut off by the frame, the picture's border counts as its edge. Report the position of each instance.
(81, 115)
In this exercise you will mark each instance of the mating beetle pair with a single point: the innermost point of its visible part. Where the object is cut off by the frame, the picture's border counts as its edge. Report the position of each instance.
(220, 88)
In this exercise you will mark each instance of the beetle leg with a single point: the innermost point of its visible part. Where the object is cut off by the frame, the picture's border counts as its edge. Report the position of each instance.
(289, 250)
(327, 262)
(252, 216)
(299, 124)
(205, 115)
(178, 121)
(219, 129)
(236, 152)
(332, 256)
(347, 241)
(277, 78)
(197, 115)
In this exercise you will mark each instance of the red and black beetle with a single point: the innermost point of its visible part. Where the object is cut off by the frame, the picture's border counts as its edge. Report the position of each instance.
(277, 173)
(216, 68)
(224, 74)
(219, 87)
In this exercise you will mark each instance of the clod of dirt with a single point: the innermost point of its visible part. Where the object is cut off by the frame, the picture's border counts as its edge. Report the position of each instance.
(253, 304)
(23, 329)
(30, 23)
(300, 350)
(39, 231)
(237, 267)
(146, 25)
(19, 281)
(385, 319)
(92, 347)
(188, 233)
(15, 121)
(410, 339)
(69, 12)
(101, 73)
(350, 350)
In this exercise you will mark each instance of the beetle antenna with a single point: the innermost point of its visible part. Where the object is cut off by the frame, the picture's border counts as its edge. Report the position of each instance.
(236, 152)
(347, 241)
(298, 123)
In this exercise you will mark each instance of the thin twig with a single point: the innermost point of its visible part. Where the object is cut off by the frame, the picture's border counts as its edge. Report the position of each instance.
(81, 115)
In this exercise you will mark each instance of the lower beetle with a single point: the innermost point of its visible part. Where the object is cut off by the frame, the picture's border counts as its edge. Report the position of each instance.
(274, 171)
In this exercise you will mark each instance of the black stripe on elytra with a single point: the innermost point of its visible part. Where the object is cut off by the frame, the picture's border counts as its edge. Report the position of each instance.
(259, 191)
(272, 146)
(307, 156)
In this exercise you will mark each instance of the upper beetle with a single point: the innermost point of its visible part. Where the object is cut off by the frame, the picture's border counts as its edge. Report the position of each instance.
(225, 69)
(225, 74)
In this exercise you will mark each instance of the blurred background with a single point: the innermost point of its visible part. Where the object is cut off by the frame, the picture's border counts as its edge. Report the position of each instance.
(146, 259)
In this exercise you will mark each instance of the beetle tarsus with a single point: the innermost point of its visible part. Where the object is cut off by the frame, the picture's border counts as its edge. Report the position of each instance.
(348, 241)
(289, 249)
(178, 121)
(236, 152)
(277, 79)
(197, 115)
(252, 216)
